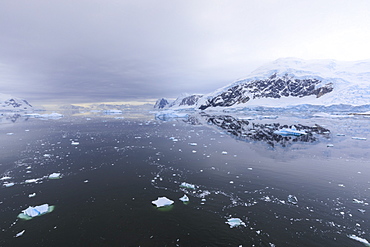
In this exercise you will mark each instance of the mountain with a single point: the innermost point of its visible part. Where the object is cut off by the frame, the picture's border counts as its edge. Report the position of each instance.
(291, 82)
(161, 103)
(10, 103)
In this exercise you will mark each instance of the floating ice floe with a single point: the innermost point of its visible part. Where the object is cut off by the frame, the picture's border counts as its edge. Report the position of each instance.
(290, 132)
(357, 201)
(224, 152)
(329, 145)
(361, 240)
(5, 178)
(162, 202)
(32, 180)
(292, 199)
(75, 143)
(8, 184)
(193, 144)
(31, 212)
(54, 175)
(185, 198)
(359, 138)
(169, 114)
(188, 186)
(32, 195)
(19, 234)
(234, 222)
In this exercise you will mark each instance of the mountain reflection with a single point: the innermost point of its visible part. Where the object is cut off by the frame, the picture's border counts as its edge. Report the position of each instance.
(246, 130)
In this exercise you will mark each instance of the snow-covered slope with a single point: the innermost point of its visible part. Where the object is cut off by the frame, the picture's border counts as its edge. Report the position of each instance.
(186, 101)
(292, 81)
(10, 103)
(161, 103)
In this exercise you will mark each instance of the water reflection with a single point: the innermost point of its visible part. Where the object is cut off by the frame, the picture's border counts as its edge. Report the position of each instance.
(247, 130)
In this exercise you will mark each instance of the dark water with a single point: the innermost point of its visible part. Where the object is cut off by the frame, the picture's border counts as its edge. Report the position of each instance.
(121, 165)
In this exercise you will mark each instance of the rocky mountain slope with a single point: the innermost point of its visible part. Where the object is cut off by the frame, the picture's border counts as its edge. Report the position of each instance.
(10, 103)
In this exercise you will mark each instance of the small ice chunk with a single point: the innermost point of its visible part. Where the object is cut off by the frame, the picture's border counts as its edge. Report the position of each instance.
(54, 175)
(224, 152)
(185, 198)
(32, 180)
(359, 138)
(234, 222)
(8, 184)
(361, 240)
(292, 199)
(32, 195)
(357, 201)
(19, 234)
(188, 186)
(193, 144)
(75, 143)
(5, 178)
(162, 202)
(329, 145)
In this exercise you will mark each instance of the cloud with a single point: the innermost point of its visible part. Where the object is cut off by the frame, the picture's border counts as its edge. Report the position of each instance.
(91, 50)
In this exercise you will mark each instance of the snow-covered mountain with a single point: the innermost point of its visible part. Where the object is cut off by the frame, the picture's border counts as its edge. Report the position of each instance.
(161, 103)
(10, 103)
(292, 81)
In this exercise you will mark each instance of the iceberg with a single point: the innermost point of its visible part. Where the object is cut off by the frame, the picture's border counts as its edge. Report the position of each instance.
(185, 198)
(31, 212)
(188, 186)
(170, 114)
(290, 132)
(162, 202)
(292, 199)
(54, 175)
(234, 222)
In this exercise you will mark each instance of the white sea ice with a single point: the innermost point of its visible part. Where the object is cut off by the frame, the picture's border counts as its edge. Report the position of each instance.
(359, 138)
(8, 184)
(32, 195)
(224, 152)
(32, 180)
(292, 199)
(187, 185)
(5, 178)
(75, 143)
(234, 222)
(36, 211)
(193, 144)
(361, 240)
(54, 175)
(185, 198)
(19, 234)
(162, 202)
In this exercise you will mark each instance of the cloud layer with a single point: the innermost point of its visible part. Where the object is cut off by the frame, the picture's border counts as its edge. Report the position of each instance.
(89, 50)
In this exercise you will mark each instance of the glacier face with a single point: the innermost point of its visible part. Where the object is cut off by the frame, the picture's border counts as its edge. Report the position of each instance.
(10, 103)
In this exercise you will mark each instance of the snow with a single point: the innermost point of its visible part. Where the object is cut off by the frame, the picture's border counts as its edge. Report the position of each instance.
(162, 202)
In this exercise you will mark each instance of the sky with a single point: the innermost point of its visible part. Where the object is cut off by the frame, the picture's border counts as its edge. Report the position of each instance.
(68, 51)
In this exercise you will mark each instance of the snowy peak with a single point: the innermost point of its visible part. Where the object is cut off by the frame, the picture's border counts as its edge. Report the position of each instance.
(161, 103)
(10, 103)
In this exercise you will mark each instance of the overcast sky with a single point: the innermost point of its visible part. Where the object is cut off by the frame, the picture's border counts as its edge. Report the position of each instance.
(90, 51)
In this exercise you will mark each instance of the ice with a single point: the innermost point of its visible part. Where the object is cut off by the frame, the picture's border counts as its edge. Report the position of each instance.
(193, 144)
(357, 201)
(54, 175)
(292, 131)
(359, 138)
(75, 143)
(32, 195)
(234, 222)
(31, 212)
(185, 198)
(33, 180)
(224, 152)
(5, 178)
(187, 185)
(362, 240)
(169, 114)
(329, 145)
(19, 234)
(8, 184)
(112, 112)
(292, 199)
(162, 202)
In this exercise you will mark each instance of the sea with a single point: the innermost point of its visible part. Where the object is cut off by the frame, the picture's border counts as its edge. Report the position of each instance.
(247, 184)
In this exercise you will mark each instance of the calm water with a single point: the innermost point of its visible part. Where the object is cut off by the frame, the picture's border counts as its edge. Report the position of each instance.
(240, 167)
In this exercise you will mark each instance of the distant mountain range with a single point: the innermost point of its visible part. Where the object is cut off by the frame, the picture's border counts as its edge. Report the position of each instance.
(10, 103)
(289, 82)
